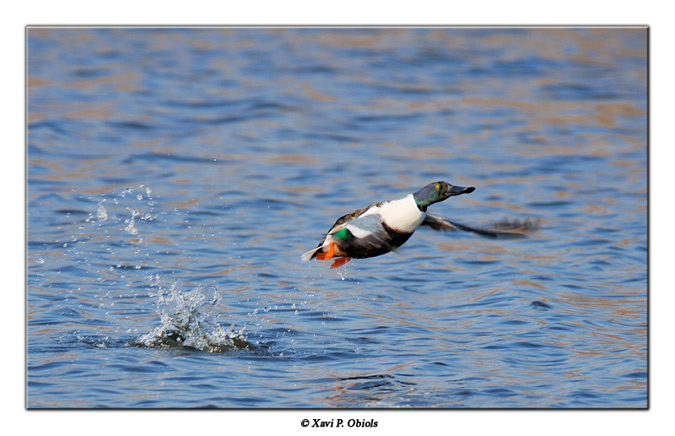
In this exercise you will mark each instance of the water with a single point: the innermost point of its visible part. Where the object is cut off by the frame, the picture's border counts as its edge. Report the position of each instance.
(175, 176)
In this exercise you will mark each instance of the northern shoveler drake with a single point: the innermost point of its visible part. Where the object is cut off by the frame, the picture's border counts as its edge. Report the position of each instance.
(385, 226)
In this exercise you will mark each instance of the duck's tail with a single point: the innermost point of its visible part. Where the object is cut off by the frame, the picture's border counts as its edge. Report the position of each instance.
(310, 254)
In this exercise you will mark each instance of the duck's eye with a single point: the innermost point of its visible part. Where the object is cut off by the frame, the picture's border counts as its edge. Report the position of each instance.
(438, 186)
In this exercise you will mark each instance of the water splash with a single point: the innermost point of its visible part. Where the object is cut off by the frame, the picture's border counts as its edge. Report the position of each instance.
(189, 319)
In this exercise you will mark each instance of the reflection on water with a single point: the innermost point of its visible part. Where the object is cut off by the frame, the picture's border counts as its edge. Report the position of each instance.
(169, 165)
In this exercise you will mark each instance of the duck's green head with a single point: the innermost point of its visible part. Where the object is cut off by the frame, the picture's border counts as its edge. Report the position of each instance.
(438, 191)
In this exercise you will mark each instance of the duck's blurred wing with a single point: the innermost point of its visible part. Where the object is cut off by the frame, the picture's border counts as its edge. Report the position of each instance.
(501, 229)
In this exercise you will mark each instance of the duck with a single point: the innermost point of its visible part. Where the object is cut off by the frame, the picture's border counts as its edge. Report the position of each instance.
(384, 226)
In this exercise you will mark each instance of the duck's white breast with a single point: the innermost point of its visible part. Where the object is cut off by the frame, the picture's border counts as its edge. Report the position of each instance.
(402, 215)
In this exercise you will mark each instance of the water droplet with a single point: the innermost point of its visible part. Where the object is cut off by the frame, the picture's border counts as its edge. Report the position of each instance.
(101, 213)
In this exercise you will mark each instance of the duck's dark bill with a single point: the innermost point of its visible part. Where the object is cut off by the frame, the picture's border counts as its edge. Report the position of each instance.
(456, 190)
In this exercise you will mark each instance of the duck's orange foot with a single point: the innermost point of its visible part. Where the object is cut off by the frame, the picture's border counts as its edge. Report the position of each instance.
(340, 261)
(328, 254)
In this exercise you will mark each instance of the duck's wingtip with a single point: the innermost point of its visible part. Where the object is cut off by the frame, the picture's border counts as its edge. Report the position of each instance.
(515, 228)
(518, 226)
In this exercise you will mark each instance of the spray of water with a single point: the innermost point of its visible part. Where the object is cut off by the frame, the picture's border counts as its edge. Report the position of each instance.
(189, 319)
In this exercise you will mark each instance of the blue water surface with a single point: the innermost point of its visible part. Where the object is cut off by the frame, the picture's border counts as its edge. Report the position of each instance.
(175, 176)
